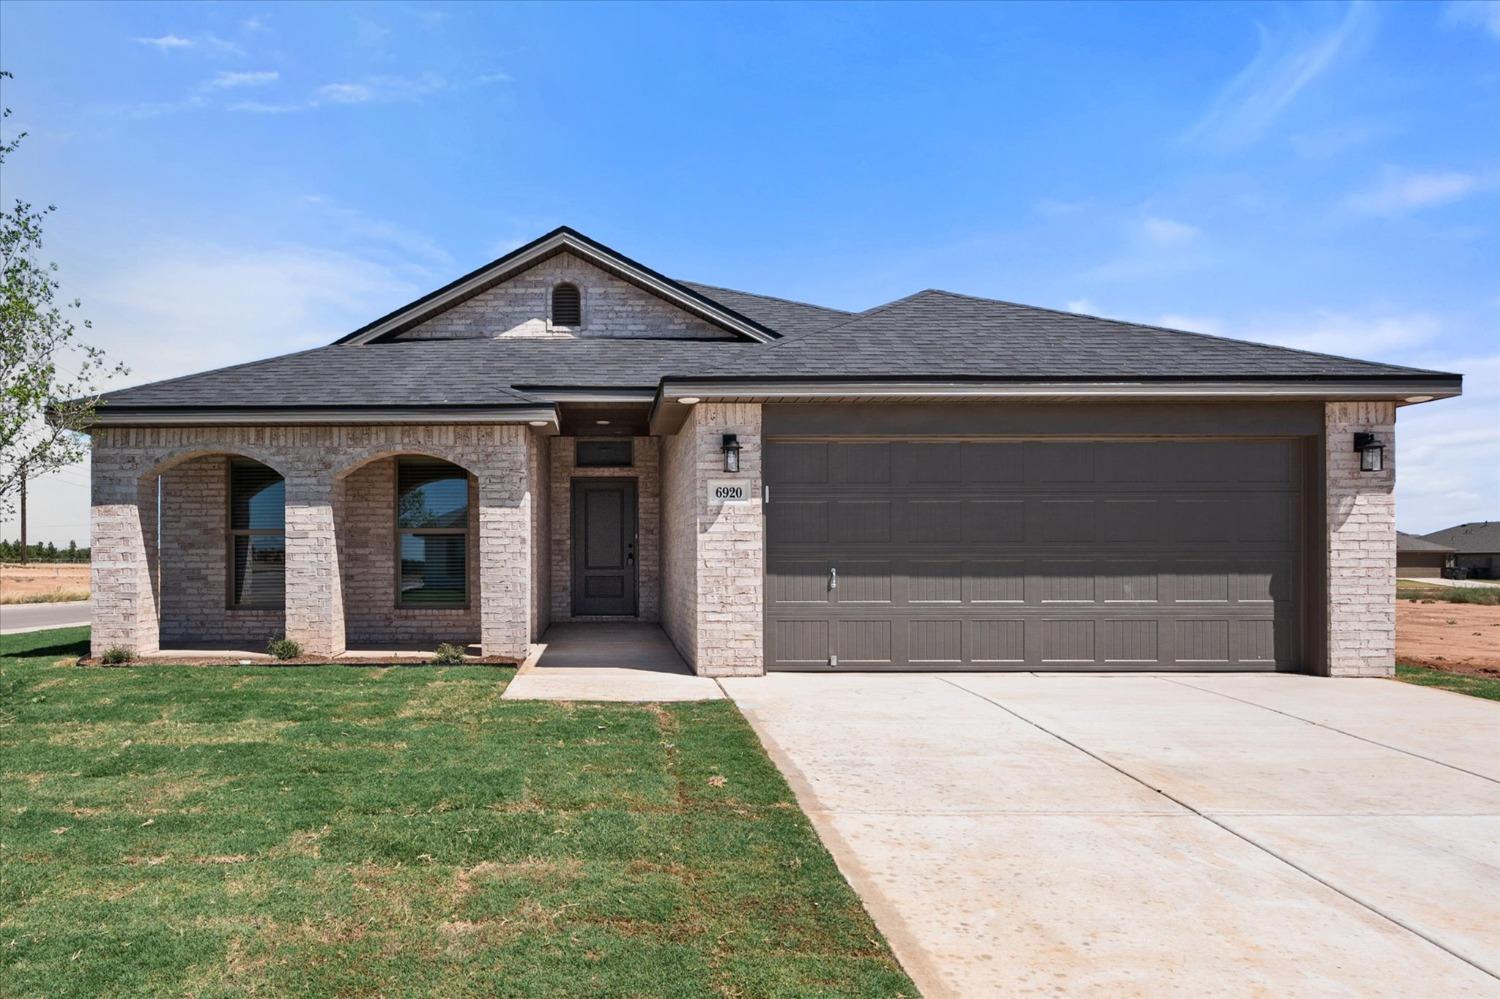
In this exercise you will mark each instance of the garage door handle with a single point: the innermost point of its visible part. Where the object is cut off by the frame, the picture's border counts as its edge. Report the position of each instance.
(833, 579)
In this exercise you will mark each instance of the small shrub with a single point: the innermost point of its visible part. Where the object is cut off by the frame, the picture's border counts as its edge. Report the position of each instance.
(448, 654)
(283, 648)
(116, 655)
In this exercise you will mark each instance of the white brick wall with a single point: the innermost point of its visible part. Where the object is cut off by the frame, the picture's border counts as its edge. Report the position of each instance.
(646, 470)
(521, 307)
(713, 552)
(1361, 511)
(314, 460)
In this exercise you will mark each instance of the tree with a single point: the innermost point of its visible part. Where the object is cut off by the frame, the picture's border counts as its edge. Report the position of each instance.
(47, 377)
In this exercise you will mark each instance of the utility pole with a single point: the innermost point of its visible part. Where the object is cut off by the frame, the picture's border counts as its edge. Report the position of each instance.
(24, 559)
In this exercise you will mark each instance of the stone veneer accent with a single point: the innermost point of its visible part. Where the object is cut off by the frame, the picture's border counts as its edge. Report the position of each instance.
(522, 307)
(1361, 512)
(713, 553)
(646, 470)
(194, 543)
(539, 485)
(314, 462)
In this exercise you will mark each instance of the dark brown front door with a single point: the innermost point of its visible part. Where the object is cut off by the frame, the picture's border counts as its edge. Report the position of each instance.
(604, 573)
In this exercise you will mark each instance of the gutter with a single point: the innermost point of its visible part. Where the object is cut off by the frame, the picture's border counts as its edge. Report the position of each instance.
(156, 416)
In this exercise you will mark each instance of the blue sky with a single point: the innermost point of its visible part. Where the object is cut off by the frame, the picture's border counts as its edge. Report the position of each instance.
(241, 180)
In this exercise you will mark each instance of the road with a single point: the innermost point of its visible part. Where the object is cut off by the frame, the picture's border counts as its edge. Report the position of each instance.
(32, 617)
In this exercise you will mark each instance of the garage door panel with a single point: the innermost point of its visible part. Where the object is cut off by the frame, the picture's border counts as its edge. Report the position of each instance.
(988, 581)
(1068, 521)
(1036, 555)
(795, 464)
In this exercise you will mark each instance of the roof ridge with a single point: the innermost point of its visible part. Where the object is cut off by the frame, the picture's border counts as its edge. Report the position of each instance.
(853, 317)
(756, 294)
(1181, 332)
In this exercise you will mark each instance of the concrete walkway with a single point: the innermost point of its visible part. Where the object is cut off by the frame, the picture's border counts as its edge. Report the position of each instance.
(1469, 584)
(608, 661)
(1155, 836)
(16, 618)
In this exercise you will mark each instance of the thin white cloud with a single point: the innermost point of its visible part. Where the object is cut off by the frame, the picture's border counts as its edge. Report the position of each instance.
(343, 93)
(1168, 232)
(499, 76)
(1155, 246)
(1484, 14)
(1327, 331)
(165, 43)
(230, 80)
(1287, 62)
(370, 90)
(1191, 323)
(1329, 141)
(1082, 306)
(1396, 192)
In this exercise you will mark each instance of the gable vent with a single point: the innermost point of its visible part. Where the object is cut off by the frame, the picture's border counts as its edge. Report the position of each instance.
(567, 306)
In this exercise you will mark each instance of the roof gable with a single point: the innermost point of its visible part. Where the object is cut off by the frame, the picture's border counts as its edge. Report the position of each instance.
(560, 240)
(1482, 536)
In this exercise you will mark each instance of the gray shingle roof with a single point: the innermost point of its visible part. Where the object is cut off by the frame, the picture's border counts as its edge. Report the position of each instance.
(940, 333)
(932, 334)
(1480, 537)
(1416, 543)
(783, 315)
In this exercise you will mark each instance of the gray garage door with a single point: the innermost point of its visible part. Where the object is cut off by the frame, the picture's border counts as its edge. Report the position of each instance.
(1046, 555)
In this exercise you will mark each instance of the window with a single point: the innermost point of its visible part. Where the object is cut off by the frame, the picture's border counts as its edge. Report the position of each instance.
(602, 454)
(567, 305)
(257, 535)
(432, 534)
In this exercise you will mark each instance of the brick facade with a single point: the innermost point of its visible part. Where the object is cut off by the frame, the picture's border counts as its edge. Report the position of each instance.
(645, 468)
(522, 305)
(194, 543)
(713, 552)
(1361, 524)
(367, 556)
(318, 464)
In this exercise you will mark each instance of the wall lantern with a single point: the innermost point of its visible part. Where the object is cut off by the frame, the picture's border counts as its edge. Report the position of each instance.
(731, 449)
(1371, 452)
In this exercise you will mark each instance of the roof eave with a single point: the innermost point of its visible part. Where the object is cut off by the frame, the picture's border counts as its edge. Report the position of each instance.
(668, 411)
(143, 416)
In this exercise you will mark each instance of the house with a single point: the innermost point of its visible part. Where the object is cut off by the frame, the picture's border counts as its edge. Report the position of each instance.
(1418, 558)
(1476, 547)
(940, 482)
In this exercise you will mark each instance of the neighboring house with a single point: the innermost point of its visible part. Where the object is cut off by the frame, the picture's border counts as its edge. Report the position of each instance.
(942, 482)
(1476, 547)
(1418, 558)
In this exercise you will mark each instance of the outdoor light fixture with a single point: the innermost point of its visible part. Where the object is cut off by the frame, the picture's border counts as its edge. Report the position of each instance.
(731, 449)
(538, 423)
(689, 400)
(1371, 452)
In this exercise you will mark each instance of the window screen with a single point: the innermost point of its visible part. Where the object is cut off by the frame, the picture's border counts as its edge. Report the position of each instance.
(432, 534)
(567, 306)
(257, 535)
(602, 454)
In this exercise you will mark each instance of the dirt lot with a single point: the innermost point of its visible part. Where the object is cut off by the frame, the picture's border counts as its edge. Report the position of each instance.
(23, 583)
(1461, 638)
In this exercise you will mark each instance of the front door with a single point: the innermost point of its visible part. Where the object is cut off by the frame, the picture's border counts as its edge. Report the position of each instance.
(604, 574)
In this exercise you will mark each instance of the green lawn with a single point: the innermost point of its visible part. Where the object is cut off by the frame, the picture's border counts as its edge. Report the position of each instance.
(1476, 686)
(332, 830)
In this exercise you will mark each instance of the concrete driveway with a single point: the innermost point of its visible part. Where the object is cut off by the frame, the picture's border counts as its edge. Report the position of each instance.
(1156, 836)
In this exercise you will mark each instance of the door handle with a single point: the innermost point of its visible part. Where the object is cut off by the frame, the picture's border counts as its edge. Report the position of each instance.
(833, 578)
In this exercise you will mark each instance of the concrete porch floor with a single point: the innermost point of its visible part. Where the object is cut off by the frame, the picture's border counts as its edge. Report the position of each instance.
(608, 661)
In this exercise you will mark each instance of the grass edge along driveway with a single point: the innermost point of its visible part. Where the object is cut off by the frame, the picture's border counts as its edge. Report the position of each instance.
(219, 831)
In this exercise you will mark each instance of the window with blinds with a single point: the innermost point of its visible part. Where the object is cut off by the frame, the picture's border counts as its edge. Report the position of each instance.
(257, 536)
(432, 534)
(567, 305)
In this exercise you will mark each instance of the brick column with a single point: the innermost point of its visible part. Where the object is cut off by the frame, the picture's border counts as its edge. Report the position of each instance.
(122, 562)
(714, 550)
(314, 591)
(505, 540)
(1361, 511)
